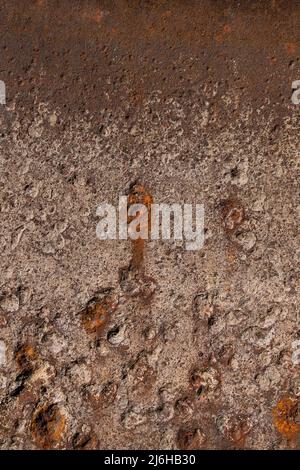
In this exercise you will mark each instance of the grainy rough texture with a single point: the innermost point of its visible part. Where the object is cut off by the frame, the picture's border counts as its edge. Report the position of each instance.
(131, 345)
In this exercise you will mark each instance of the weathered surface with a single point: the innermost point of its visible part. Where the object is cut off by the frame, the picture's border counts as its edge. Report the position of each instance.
(124, 345)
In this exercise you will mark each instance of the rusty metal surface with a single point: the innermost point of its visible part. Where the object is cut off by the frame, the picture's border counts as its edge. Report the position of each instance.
(144, 345)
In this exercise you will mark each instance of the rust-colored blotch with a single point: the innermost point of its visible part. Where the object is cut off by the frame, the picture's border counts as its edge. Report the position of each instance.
(285, 415)
(96, 315)
(47, 426)
(233, 214)
(25, 356)
(190, 439)
(139, 195)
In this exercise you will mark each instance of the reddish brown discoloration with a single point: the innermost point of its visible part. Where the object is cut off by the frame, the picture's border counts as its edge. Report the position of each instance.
(193, 99)
(225, 31)
(99, 35)
(133, 276)
(95, 16)
(190, 439)
(237, 432)
(25, 357)
(287, 418)
(97, 314)
(290, 48)
(139, 195)
(233, 214)
(47, 426)
(105, 397)
(82, 441)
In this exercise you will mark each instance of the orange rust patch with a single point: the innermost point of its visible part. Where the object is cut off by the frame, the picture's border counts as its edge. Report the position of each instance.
(226, 29)
(285, 415)
(220, 37)
(233, 214)
(166, 14)
(196, 381)
(139, 195)
(144, 378)
(25, 357)
(97, 16)
(290, 47)
(96, 315)
(47, 426)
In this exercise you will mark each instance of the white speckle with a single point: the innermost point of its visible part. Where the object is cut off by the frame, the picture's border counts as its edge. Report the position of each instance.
(16, 237)
(247, 240)
(10, 304)
(53, 119)
(117, 337)
(35, 130)
(2, 353)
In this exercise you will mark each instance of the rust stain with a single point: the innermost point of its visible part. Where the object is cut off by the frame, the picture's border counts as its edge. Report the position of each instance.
(139, 195)
(25, 357)
(166, 14)
(225, 31)
(132, 278)
(233, 214)
(190, 439)
(231, 255)
(47, 426)
(81, 441)
(237, 433)
(105, 397)
(290, 48)
(97, 314)
(285, 416)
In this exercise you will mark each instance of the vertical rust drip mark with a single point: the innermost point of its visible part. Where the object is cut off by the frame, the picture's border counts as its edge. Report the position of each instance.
(139, 195)
(133, 280)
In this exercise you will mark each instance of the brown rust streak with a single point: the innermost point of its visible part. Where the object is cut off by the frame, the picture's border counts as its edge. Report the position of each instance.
(139, 195)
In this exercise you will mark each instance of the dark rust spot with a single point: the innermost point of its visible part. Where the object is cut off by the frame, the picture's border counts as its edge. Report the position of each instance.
(190, 439)
(82, 441)
(47, 426)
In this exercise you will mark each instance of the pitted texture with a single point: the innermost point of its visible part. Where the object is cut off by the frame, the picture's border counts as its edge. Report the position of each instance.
(128, 345)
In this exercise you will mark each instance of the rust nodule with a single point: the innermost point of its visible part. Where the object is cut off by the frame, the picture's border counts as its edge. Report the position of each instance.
(47, 426)
(286, 417)
(96, 314)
